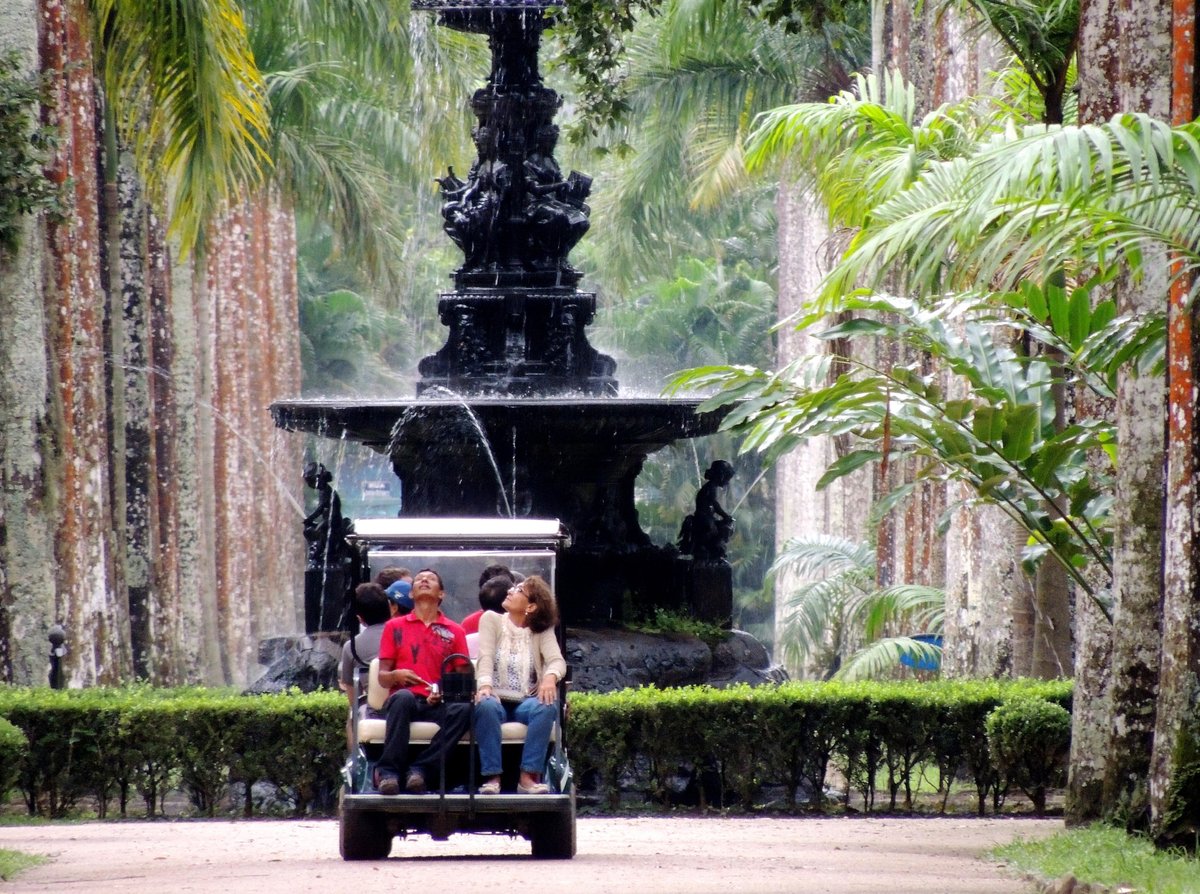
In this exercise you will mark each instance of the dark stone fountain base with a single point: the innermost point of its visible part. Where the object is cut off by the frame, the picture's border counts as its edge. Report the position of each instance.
(602, 660)
(574, 459)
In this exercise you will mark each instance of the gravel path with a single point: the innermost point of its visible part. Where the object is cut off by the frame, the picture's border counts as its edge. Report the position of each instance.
(697, 855)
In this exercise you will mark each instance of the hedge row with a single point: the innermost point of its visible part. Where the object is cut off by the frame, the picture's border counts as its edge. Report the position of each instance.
(881, 737)
(109, 745)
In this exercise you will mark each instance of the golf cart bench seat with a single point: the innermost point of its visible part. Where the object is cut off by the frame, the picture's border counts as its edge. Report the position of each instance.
(371, 729)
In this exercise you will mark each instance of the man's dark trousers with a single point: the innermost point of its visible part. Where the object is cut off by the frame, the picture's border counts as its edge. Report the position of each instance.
(404, 708)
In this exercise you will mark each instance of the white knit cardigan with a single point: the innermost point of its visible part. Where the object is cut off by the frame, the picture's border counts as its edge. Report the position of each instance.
(547, 657)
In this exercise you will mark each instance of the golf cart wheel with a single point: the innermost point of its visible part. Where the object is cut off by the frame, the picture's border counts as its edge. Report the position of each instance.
(553, 836)
(363, 835)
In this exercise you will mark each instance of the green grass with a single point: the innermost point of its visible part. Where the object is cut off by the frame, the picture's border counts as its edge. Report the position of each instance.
(1108, 856)
(12, 862)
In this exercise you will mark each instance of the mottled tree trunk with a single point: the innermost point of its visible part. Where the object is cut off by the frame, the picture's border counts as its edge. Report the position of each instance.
(989, 597)
(112, 359)
(1175, 761)
(1098, 80)
(1052, 641)
(252, 318)
(27, 607)
(1138, 511)
(97, 626)
(840, 510)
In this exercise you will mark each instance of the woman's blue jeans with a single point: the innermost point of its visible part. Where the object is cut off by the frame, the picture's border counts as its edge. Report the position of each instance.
(539, 720)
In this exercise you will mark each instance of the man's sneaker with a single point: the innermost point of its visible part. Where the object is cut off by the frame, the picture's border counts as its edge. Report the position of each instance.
(415, 783)
(387, 783)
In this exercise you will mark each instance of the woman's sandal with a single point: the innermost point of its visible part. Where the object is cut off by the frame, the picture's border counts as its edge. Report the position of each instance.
(534, 788)
(491, 787)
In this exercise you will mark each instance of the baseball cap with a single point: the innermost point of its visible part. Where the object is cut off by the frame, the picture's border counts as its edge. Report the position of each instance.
(399, 595)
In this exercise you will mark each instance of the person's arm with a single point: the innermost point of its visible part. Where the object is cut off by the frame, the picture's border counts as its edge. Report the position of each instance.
(393, 677)
(554, 667)
(487, 654)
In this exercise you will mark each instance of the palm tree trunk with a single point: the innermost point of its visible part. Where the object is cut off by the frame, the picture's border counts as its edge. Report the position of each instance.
(1175, 761)
(27, 607)
(801, 510)
(254, 332)
(1141, 408)
(1052, 641)
(96, 626)
(1099, 77)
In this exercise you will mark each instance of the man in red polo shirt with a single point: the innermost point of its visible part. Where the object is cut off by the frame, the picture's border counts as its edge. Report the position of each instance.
(411, 651)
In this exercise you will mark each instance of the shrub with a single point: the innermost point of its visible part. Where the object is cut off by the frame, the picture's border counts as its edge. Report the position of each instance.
(1029, 740)
(14, 748)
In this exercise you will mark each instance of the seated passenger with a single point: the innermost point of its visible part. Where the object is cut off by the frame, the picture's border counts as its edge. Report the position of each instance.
(399, 596)
(520, 665)
(411, 652)
(491, 598)
(371, 607)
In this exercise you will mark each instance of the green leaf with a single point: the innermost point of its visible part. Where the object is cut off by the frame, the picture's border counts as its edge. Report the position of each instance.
(847, 464)
(1035, 301)
(1060, 311)
(1080, 318)
(1104, 313)
(988, 423)
(1021, 425)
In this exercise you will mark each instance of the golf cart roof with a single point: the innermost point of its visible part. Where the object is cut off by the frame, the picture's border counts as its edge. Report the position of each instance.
(460, 533)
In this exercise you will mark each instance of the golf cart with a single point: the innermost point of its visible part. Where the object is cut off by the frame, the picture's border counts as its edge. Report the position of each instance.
(458, 549)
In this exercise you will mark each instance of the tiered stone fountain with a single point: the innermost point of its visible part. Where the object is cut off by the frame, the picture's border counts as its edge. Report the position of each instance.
(517, 414)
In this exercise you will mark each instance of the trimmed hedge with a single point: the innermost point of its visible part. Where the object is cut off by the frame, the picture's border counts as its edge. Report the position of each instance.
(112, 744)
(109, 746)
(879, 735)
(1029, 740)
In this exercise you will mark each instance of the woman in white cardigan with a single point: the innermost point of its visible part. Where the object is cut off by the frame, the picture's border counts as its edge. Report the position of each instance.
(519, 667)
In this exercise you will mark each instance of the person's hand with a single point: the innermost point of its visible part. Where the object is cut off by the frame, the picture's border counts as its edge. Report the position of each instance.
(547, 691)
(402, 676)
(484, 691)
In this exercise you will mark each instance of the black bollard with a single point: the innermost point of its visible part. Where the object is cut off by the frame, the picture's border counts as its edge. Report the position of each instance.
(58, 649)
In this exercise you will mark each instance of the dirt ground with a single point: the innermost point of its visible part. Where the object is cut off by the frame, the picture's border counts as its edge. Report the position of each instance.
(704, 855)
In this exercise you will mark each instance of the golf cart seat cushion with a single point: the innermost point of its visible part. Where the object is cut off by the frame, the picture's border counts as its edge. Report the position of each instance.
(371, 729)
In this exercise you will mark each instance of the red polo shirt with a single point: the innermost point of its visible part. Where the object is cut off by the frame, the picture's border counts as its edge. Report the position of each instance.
(414, 645)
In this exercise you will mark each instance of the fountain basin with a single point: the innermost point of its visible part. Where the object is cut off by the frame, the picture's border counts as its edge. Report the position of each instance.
(574, 459)
(502, 456)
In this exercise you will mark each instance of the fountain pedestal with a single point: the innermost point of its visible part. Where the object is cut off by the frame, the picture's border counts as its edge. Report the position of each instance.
(516, 319)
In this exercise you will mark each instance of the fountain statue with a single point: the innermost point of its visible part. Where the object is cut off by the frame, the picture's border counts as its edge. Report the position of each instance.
(329, 568)
(517, 414)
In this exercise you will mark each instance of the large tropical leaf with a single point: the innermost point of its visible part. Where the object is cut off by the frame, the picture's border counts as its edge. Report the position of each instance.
(189, 98)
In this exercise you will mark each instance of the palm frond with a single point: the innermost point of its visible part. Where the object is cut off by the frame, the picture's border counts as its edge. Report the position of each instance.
(884, 656)
(823, 554)
(190, 100)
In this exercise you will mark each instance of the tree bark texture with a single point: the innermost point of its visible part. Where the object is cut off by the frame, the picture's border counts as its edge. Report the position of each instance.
(1098, 79)
(27, 588)
(96, 624)
(840, 510)
(1138, 513)
(127, 379)
(254, 359)
(1175, 760)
